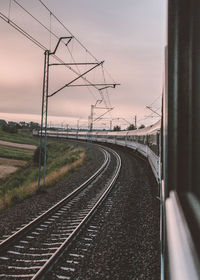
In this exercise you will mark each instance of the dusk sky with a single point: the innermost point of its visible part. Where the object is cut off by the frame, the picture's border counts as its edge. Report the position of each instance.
(129, 35)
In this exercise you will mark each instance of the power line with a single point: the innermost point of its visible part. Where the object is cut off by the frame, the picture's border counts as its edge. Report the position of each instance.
(37, 20)
(22, 31)
(68, 31)
(80, 72)
(157, 98)
(36, 42)
(81, 44)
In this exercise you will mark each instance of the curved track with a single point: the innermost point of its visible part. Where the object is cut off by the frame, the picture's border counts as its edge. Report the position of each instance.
(29, 252)
(121, 241)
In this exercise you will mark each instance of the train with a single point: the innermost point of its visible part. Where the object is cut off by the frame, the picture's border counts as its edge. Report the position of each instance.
(145, 141)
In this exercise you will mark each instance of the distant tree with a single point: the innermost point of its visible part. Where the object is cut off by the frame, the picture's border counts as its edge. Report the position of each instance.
(13, 124)
(3, 123)
(37, 154)
(142, 126)
(12, 128)
(117, 128)
(34, 125)
(131, 127)
(23, 124)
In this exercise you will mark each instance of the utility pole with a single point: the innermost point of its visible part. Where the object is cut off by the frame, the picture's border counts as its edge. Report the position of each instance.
(46, 95)
(135, 121)
(43, 146)
(110, 125)
(78, 125)
(91, 118)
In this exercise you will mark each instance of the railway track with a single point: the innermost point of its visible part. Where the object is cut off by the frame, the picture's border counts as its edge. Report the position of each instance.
(32, 250)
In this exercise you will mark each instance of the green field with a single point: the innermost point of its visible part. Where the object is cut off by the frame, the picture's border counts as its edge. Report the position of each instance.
(16, 153)
(62, 158)
(21, 137)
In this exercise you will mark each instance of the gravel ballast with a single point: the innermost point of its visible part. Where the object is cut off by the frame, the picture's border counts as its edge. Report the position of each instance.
(124, 235)
(126, 246)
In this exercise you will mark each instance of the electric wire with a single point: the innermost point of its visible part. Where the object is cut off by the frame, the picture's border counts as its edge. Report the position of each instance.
(51, 33)
(157, 98)
(57, 37)
(38, 43)
(76, 39)
(23, 32)
(9, 9)
(69, 31)
(36, 19)
(72, 57)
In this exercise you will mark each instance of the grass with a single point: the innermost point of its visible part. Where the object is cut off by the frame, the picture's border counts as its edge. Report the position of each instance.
(22, 137)
(16, 153)
(62, 159)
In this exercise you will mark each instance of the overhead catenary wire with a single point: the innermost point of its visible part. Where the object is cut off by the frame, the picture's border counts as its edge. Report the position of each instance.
(50, 33)
(9, 9)
(157, 98)
(106, 89)
(57, 37)
(81, 44)
(73, 59)
(22, 31)
(49, 29)
(37, 43)
(87, 52)
(53, 34)
(69, 31)
(36, 19)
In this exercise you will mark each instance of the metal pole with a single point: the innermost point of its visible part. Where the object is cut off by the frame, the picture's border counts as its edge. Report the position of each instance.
(44, 119)
(46, 111)
(78, 125)
(91, 117)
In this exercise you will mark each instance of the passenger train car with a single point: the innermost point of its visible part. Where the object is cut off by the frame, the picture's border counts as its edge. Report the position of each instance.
(145, 141)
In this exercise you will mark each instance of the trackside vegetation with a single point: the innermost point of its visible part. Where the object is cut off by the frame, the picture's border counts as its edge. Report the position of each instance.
(62, 159)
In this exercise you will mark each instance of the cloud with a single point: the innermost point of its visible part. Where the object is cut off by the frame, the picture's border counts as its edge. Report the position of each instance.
(129, 36)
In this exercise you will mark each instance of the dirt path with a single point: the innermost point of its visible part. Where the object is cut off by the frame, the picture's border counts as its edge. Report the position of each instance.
(17, 145)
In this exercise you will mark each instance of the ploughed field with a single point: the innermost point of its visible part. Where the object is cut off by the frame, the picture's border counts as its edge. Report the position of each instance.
(126, 240)
(13, 156)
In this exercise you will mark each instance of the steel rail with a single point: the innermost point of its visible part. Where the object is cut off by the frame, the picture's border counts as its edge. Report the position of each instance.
(21, 232)
(58, 253)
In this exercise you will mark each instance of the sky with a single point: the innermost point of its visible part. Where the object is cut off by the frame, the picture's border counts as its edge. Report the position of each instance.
(128, 35)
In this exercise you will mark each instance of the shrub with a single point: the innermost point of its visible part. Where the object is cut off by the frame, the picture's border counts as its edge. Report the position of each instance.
(37, 154)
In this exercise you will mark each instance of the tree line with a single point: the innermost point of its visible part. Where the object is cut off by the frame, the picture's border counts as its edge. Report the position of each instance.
(130, 127)
(13, 127)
